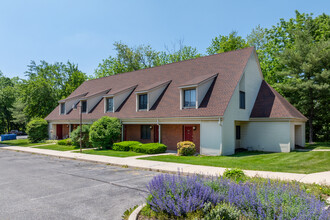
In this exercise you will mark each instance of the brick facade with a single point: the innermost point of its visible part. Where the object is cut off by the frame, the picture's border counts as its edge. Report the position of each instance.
(170, 135)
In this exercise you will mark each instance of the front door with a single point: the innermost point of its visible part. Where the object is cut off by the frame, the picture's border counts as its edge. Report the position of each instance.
(188, 133)
(59, 132)
(156, 134)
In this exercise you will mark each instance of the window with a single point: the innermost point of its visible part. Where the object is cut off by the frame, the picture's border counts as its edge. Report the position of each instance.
(83, 106)
(62, 108)
(238, 132)
(145, 132)
(189, 98)
(241, 100)
(109, 105)
(143, 102)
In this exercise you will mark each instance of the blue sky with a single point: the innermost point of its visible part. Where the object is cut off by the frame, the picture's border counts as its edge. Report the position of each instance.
(84, 31)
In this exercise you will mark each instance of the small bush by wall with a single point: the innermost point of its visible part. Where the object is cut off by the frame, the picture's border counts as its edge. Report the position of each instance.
(67, 141)
(37, 130)
(186, 148)
(124, 145)
(104, 132)
(152, 148)
(75, 136)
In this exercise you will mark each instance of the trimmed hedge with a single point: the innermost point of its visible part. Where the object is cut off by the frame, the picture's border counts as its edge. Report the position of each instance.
(152, 148)
(124, 145)
(67, 141)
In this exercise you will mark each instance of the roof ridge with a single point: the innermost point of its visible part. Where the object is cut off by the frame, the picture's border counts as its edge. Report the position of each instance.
(181, 61)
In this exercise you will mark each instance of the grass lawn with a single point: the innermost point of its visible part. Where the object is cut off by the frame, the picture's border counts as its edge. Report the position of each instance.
(20, 143)
(294, 162)
(112, 153)
(318, 145)
(58, 147)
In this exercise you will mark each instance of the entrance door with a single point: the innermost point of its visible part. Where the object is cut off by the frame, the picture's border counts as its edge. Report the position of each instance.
(156, 133)
(59, 131)
(188, 133)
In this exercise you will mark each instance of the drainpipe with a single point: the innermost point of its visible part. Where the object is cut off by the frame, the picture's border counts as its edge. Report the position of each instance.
(220, 124)
(159, 132)
(122, 130)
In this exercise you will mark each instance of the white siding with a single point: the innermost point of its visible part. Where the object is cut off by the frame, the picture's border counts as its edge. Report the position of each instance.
(202, 90)
(266, 136)
(92, 102)
(250, 82)
(120, 98)
(154, 95)
(210, 138)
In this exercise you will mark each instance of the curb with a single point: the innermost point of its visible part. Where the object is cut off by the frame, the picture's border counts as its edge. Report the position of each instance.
(136, 212)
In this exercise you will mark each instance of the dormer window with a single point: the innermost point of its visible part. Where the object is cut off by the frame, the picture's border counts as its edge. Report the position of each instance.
(109, 105)
(62, 108)
(83, 106)
(189, 98)
(143, 102)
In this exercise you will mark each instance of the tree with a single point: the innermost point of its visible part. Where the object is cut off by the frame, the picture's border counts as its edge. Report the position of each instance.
(47, 84)
(222, 43)
(306, 72)
(270, 43)
(37, 129)
(7, 98)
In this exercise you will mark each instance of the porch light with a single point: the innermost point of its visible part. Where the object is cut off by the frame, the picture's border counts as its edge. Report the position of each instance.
(194, 127)
(150, 126)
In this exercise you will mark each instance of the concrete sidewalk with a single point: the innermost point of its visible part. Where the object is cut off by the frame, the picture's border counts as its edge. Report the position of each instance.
(319, 178)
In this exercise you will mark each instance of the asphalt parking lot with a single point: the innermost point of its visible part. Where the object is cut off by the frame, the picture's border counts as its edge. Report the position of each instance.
(42, 187)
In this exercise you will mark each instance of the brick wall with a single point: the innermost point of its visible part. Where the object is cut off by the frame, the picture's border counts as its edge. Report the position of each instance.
(133, 133)
(170, 135)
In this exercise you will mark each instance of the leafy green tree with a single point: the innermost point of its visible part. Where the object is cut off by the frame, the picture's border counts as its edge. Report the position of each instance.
(222, 43)
(37, 129)
(47, 84)
(104, 132)
(270, 43)
(141, 57)
(7, 98)
(306, 72)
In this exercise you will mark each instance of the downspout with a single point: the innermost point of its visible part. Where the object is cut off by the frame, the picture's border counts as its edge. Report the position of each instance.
(159, 132)
(122, 130)
(220, 122)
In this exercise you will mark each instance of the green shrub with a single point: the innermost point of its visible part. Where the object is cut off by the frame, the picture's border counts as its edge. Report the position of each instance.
(104, 132)
(221, 211)
(37, 129)
(51, 141)
(234, 174)
(75, 136)
(152, 148)
(124, 145)
(186, 148)
(67, 141)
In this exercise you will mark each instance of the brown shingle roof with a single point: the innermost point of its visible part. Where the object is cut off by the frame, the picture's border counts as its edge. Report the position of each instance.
(229, 65)
(270, 104)
(199, 79)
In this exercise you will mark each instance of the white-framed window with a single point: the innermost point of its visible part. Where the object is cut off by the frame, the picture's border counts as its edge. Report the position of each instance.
(84, 106)
(62, 112)
(143, 101)
(109, 105)
(189, 98)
